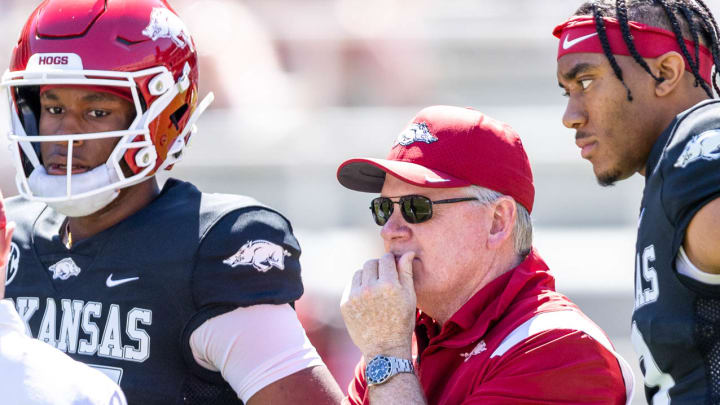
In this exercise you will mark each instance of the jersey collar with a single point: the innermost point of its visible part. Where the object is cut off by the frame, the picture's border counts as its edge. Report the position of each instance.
(519, 287)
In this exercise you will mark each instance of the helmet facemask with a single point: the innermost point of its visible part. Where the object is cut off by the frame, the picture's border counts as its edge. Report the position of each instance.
(83, 194)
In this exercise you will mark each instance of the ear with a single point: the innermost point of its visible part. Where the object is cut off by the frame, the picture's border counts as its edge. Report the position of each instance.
(671, 67)
(503, 222)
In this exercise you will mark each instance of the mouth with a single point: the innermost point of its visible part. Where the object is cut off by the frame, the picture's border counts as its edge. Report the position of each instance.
(586, 150)
(58, 169)
(586, 146)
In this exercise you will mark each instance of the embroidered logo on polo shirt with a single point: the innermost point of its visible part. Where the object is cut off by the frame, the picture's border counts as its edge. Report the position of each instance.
(64, 269)
(261, 254)
(481, 347)
(417, 132)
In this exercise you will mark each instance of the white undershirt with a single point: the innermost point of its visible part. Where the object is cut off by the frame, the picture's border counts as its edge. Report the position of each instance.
(253, 347)
(35, 373)
(685, 267)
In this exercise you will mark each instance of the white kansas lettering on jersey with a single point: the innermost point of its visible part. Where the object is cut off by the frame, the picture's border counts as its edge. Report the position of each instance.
(646, 279)
(131, 343)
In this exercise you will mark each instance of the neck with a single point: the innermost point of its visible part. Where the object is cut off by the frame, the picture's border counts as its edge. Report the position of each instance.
(130, 201)
(665, 116)
(445, 307)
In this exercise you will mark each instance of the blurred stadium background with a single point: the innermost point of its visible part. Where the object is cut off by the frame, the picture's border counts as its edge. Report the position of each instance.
(303, 85)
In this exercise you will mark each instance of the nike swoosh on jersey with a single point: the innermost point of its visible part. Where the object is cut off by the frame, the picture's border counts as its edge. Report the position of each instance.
(569, 44)
(114, 283)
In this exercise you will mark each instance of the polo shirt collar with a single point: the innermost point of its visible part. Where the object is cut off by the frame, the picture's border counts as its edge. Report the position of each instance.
(472, 320)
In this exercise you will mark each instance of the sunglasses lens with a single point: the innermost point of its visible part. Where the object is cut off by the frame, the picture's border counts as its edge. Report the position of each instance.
(416, 209)
(381, 209)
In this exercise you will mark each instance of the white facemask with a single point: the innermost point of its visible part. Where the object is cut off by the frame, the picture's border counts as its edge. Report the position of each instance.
(48, 186)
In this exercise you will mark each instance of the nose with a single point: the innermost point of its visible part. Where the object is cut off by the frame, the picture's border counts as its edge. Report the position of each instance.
(575, 116)
(67, 126)
(395, 229)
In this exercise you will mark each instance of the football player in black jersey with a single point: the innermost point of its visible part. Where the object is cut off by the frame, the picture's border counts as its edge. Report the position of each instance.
(181, 297)
(640, 84)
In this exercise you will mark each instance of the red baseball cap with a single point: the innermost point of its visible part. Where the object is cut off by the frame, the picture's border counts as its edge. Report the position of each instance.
(444, 147)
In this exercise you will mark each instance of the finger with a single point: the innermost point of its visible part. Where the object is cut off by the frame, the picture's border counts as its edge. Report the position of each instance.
(2, 211)
(387, 272)
(370, 272)
(405, 269)
(351, 287)
(5, 243)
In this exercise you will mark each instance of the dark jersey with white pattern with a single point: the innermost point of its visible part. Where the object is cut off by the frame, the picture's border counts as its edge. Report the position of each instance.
(127, 299)
(676, 321)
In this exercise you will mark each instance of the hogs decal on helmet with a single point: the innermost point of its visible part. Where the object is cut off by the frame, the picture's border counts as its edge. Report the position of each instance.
(139, 47)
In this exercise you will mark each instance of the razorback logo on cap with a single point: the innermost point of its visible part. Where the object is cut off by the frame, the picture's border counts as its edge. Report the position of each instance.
(417, 132)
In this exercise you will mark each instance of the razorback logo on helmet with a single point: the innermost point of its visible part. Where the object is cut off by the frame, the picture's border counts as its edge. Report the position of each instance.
(261, 254)
(64, 269)
(165, 24)
(12, 264)
(62, 61)
(705, 146)
(417, 132)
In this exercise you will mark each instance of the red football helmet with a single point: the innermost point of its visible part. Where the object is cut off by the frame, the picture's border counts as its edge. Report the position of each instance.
(140, 46)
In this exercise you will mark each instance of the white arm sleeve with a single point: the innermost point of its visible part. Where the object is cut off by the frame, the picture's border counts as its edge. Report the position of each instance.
(253, 347)
(686, 267)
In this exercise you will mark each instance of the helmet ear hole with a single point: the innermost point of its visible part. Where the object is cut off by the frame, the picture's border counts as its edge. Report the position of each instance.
(178, 115)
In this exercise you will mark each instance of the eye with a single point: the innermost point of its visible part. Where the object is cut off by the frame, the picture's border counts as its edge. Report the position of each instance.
(99, 113)
(585, 83)
(54, 110)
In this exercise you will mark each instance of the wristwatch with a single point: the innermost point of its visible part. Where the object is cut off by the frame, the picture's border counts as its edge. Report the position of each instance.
(381, 368)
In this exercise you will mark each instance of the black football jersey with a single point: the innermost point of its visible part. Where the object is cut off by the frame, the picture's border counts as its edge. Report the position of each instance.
(676, 320)
(126, 300)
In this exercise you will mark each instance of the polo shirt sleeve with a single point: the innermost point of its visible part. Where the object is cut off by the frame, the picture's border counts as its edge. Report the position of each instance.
(555, 366)
(357, 390)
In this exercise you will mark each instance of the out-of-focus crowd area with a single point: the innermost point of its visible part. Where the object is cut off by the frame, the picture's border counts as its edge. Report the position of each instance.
(302, 85)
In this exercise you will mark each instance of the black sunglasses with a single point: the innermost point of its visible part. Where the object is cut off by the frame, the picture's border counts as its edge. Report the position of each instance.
(415, 209)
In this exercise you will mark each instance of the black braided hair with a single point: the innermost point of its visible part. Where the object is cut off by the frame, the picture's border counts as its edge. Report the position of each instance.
(670, 11)
(621, 11)
(714, 30)
(671, 14)
(602, 33)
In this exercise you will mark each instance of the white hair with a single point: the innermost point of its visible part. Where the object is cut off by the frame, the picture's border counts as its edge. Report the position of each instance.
(522, 231)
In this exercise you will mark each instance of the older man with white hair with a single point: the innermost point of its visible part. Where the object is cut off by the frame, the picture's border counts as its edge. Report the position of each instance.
(460, 275)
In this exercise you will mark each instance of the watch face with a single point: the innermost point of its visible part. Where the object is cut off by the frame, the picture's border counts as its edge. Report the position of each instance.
(378, 370)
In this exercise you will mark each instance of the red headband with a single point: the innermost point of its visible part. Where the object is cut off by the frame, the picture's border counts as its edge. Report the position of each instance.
(579, 35)
(122, 92)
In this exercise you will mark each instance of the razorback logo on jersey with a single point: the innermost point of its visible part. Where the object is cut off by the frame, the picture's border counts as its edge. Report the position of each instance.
(165, 24)
(64, 269)
(13, 263)
(261, 254)
(417, 132)
(705, 146)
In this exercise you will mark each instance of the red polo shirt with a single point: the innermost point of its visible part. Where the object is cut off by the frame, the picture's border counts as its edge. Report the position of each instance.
(516, 341)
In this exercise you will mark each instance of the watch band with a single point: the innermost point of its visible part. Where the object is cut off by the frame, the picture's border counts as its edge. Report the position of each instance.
(402, 365)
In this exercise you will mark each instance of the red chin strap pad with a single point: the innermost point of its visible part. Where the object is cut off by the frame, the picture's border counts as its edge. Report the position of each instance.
(579, 35)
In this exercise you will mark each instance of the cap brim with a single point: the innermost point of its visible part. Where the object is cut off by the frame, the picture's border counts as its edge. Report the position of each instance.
(368, 175)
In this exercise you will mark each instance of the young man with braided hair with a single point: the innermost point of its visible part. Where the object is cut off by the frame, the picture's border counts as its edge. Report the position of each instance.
(639, 80)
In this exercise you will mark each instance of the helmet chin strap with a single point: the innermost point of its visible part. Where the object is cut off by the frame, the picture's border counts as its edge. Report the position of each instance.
(44, 185)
